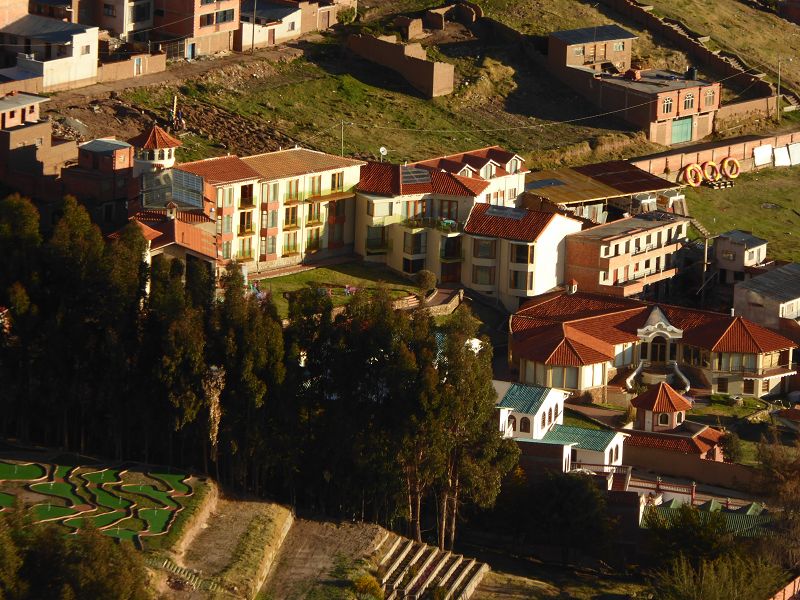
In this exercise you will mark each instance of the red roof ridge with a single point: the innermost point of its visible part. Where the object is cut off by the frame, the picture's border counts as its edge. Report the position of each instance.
(661, 398)
(155, 139)
(493, 147)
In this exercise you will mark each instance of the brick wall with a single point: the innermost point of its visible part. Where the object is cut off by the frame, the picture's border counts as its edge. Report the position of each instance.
(429, 77)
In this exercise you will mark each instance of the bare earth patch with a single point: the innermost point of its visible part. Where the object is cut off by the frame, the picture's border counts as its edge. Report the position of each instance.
(310, 552)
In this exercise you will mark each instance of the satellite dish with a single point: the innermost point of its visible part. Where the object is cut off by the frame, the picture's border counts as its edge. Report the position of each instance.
(383, 151)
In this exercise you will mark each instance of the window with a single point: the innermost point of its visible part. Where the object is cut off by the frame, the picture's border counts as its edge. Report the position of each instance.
(272, 244)
(749, 386)
(512, 423)
(246, 195)
(414, 209)
(751, 255)
(219, 224)
(525, 425)
(204, 2)
(483, 248)
(413, 266)
(578, 51)
(291, 26)
(246, 222)
(764, 386)
(290, 216)
(448, 209)
(512, 194)
(290, 243)
(514, 166)
(710, 98)
(315, 213)
(376, 237)
(226, 250)
(666, 106)
(227, 224)
(228, 196)
(316, 185)
(246, 248)
(679, 418)
(109, 10)
(140, 12)
(206, 20)
(564, 377)
(520, 280)
(688, 101)
(293, 190)
(414, 243)
(225, 16)
(312, 239)
(86, 50)
(483, 275)
(544, 420)
(728, 255)
(722, 385)
(521, 253)
(663, 419)
(619, 46)
(550, 415)
(272, 218)
(337, 181)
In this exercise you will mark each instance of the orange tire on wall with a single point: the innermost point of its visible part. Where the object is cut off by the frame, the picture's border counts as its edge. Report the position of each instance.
(730, 167)
(693, 175)
(711, 171)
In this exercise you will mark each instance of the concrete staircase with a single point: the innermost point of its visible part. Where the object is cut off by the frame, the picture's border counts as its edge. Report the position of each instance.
(412, 571)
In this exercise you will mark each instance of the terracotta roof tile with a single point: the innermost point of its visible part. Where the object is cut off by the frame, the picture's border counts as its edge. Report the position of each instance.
(155, 139)
(518, 224)
(224, 169)
(160, 214)
(386, 179)
(661, 398)
(474, 158)
(186, 235)
(608, 320)
(665, 441)
(297, 161)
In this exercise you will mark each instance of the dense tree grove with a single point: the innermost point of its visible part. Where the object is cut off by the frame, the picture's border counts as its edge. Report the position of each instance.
(41, 563)
(375, 414)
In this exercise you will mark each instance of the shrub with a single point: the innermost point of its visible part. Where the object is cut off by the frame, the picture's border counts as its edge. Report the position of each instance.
(367, 586)
(731, 447)
(425, 281)
(346, 15)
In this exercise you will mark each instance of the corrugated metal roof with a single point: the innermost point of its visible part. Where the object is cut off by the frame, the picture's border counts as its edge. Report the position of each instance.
(586, 439)
(526, 399)
(739, 524)
(18, 100)
(743, 237)
(781, 284)
(44, 29)
(600, 33)
(104, 146)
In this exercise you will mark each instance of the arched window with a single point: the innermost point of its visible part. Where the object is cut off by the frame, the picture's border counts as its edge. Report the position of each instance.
(544, 420)
(663, 419)
(550, 416)
(161, 155)
(512, 422)
(525, 425)
(709, 98)
(688, 101)
(616, 453)
(680, 418)
(667, 107)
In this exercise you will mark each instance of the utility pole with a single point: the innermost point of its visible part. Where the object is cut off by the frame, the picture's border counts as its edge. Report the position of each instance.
(253, 39)
(778, 97)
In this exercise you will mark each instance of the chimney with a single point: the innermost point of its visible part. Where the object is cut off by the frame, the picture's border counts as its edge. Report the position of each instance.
(172, 210)
(572, 286)
(733, 312)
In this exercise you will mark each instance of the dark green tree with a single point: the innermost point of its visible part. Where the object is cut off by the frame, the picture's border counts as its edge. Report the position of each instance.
(695, 534)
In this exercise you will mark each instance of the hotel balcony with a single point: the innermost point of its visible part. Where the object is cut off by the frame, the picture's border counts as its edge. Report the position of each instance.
(637, 281)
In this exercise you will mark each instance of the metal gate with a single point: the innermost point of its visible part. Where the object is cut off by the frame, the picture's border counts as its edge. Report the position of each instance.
(682, 130)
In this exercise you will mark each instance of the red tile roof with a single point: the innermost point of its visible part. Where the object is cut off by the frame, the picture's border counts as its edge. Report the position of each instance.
(186, 235)
(224, 169)
(605, 321)
(661, 398)
(474, 158)
(508, 226)
(297, 161)
(159, 214)
(386, 179)
(699, 443)
(155, 139)
(790, 414)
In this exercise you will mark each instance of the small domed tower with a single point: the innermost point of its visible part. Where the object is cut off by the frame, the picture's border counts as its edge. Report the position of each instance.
(155, 150)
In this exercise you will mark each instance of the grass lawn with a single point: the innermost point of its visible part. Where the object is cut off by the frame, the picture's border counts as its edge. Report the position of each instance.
(576, 419)
(717, 408)
(740, 207)
(355, 274)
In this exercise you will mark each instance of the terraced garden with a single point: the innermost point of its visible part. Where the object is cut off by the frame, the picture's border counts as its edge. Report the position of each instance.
(123, 501)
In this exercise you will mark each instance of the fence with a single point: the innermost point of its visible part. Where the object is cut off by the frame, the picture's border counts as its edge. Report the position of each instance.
(790, 592)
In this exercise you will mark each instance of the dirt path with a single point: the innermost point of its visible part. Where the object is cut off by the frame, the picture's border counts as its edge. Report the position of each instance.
(176, 72)
(311, 551)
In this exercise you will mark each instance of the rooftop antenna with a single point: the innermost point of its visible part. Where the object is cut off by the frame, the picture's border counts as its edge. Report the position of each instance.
(383, 152)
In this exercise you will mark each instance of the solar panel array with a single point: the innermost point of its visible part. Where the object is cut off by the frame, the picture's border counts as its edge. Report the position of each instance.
(412, 175)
